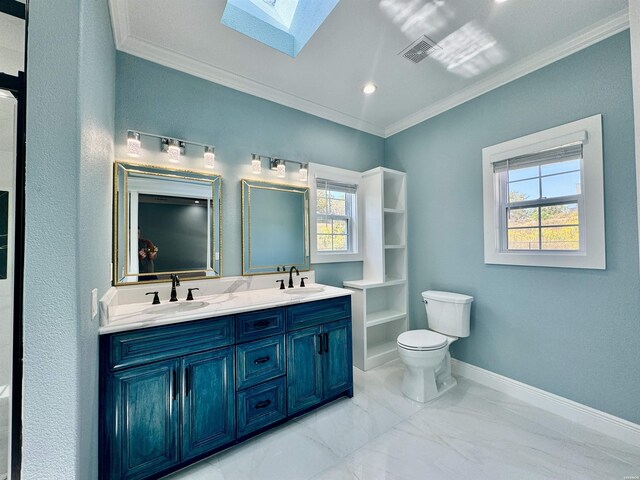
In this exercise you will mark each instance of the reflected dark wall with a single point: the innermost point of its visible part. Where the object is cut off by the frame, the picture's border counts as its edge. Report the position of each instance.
(179, 232)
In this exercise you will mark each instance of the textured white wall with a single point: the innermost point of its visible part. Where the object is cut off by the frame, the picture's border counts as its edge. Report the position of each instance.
(71, 83)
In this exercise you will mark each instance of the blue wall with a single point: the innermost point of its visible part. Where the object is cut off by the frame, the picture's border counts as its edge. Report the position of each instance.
(70, 121)
(571, 332)
(153, 98)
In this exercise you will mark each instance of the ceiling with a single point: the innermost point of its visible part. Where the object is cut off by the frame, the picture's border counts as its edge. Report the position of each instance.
(483, 44)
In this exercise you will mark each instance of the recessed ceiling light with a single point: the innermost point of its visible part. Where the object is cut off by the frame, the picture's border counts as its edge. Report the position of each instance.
(369, 88)
(500, 1)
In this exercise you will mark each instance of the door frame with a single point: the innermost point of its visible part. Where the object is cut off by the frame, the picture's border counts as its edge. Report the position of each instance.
(18, 87)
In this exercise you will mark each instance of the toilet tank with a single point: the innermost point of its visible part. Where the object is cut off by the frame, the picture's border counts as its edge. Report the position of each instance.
(448, 313)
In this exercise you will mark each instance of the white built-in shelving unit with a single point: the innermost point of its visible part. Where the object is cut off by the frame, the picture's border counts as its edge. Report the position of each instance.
(379, 300)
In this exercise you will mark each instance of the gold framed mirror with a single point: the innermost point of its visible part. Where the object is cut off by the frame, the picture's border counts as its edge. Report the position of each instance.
(165, 221)
(275, 227)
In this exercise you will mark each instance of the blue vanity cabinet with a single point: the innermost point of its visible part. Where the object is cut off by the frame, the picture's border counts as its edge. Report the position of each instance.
(145, 407)
(337, 358)
(207, 401)
(319, 363)
(167, 396)
(171, 395)
(304, 369)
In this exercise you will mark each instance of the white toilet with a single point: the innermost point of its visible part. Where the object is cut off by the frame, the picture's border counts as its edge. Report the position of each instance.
(425, 353)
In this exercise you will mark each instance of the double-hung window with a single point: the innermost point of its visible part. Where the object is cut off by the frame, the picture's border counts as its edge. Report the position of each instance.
(335, 209)
(335, 219)
(543, 198)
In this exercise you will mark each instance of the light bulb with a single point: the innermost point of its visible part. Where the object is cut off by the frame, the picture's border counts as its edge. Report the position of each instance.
(303, 173)
(282, 171)
(209, 157)
(369, 88)
(174, 151)
(256, 165)
(133, 144)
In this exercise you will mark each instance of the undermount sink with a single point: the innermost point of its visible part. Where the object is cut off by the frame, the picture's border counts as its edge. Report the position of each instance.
(177, 307)
(304, 290)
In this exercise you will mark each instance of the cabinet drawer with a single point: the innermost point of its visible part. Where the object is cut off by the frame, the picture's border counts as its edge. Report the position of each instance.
(260, 361)
(316, 313)
(157, 343)
(261, 405)
(260, 324)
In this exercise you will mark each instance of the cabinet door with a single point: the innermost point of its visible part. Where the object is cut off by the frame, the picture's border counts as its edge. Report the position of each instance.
(145, 402)
(304, 369)
(208, 401)
(336, 358)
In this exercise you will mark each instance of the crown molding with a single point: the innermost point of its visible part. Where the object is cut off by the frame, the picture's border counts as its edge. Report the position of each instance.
(597, 32)
(168, 58)
(127, 43)
(119, 21)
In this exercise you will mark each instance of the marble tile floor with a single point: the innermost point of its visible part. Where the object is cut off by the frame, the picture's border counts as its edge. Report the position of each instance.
(471, 432)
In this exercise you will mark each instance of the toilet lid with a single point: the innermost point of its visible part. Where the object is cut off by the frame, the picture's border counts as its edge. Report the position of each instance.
(422, 340)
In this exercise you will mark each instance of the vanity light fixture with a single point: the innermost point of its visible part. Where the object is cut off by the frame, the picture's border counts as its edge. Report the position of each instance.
(173, 150)
(133, 144)
(279, 165)
(209, 157)
(174, 147)
(256, 164)
(304, 172)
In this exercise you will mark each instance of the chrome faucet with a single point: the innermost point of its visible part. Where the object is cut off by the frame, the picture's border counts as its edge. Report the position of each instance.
(175, 282)
(291, 275)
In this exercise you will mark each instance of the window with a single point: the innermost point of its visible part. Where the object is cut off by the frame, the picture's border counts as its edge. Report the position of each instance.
(334, 214)
(543, 198)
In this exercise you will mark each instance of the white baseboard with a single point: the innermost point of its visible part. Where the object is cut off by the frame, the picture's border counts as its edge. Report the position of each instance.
(589, 417)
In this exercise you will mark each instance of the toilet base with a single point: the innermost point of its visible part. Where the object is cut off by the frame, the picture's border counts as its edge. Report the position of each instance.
(426, 384)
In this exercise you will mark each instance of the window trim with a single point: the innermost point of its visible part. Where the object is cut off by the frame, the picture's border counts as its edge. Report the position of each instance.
(339, 175)
(591, 206)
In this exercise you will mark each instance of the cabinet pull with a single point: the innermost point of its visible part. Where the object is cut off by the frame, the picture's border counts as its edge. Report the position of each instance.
(263, 404)
(187, 386)
(260, 324)
(260, 360)
(320, 343)
(326, 343)
(175, 384)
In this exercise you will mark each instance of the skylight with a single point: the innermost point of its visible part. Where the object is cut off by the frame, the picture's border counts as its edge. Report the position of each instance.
(286, 25)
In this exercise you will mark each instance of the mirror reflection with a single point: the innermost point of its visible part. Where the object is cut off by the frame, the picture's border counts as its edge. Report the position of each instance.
(275, 227)
(168, 221)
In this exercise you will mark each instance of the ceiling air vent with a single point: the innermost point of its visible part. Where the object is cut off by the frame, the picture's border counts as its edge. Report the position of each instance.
(420, 49)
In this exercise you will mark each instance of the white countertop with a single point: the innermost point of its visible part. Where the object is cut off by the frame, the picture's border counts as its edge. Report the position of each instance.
(135, 316)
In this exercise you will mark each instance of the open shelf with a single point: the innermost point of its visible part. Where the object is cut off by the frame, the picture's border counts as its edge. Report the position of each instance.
(379, 349)
(382, 343)
(385, 299)
(394, 231)
(384, 316)
(395, 264)
(379, 301)
(393, 188)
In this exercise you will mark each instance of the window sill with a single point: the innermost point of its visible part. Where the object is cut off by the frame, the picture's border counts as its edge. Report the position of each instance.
(336, 257)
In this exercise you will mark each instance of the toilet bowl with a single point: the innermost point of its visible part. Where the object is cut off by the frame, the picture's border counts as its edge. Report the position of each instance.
(425, 353)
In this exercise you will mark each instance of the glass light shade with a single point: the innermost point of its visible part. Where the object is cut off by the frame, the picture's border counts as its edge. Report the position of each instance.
(282, 171)
(209, 157)
(256, 165)
(133, 144)
(303, 173)
(174, 153)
